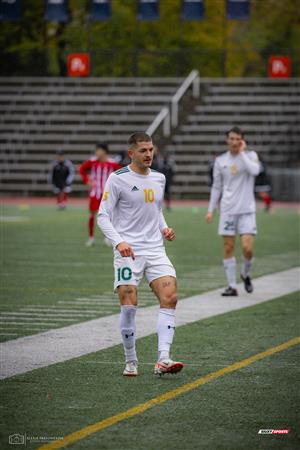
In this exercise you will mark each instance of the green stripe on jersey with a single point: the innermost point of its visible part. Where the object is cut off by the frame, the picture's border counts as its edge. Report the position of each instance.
(123, 170)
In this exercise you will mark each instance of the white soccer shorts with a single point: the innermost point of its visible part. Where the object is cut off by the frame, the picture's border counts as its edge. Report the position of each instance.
(131, 272)
(232, 224)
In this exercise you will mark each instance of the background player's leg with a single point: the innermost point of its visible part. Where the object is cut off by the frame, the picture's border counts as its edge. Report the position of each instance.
(266, 198)
(91, 224)
(128, 300)
(166, 291)
(94, 207)
(60, 199)
(229, 260)
(247, 241)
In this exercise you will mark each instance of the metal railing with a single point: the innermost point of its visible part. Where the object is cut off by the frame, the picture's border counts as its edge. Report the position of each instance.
(194, 80)
(163, 117)
(167, 118)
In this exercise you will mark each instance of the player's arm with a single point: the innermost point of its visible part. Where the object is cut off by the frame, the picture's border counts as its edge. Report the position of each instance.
(84, 171)
(250, 161)
(108, 203)
(71, 175)
(50, 177)
(216, 191)
(168, 233)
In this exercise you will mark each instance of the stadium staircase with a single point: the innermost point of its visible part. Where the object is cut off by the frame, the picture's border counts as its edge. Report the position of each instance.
(39, 116)
(267, 110)
(42, 115)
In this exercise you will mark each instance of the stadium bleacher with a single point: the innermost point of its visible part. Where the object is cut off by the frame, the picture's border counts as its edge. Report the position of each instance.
(267, 110)
(42, 115)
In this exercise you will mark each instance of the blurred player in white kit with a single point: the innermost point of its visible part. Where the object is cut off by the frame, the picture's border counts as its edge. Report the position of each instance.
(130, 216)
(233, 181)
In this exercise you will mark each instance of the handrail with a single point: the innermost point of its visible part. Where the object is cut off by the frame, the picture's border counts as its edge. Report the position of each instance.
(192, 79)
(162, 117)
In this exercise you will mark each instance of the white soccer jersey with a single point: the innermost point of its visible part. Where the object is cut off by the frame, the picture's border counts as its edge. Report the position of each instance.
(131, 210)
(234, 177)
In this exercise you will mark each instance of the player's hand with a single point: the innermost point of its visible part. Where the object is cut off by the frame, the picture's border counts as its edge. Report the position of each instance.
(209, 217)
(169, 234)
(243, 146)
(125, 250)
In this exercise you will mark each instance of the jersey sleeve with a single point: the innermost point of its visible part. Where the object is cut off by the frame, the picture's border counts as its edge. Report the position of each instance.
(71, 175)
(251, 162)
(162, 221)
(84, 169)
(51, 173)
(216, 189)
(108, 204)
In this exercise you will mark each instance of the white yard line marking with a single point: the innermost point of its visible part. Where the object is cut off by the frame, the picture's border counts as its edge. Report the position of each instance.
(9, 334)
(53, 323)
(24, 328)
(33, 319)
(41, 350)
(59, 310)
(43, 314)
(14, 219)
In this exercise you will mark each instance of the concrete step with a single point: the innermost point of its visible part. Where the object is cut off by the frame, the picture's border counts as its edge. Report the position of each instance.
(240, 119)
(82, 99)
(247, 109)
(217, 128)
(76, 118)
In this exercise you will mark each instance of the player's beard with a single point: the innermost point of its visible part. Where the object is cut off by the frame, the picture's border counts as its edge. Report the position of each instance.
(147, 163)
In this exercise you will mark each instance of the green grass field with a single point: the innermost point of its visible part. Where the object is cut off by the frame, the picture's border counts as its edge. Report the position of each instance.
(50, 279)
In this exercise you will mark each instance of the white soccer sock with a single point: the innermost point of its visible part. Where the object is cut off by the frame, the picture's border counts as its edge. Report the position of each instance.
(246, 267)
(127, 327)
(230, 270)
(165, 331)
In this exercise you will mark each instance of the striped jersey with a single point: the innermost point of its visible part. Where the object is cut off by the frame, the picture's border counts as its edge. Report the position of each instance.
(131, 210)
(97, 173)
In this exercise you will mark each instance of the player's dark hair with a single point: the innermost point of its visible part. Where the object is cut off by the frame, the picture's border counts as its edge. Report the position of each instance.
(60, 153)
(235, 130)
(102, 145)
(138, 136)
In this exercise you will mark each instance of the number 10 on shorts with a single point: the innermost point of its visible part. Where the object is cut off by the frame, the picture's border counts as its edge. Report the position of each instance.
(124, 273)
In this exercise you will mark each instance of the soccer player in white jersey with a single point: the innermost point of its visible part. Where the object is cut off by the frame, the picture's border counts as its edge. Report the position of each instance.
(130, 216)
(233, 180)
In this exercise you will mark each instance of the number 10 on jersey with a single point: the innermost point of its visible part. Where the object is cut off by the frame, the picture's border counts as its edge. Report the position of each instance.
(149, 195)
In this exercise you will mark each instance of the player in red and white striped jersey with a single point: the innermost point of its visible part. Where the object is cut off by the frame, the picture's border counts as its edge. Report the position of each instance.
(94, 173)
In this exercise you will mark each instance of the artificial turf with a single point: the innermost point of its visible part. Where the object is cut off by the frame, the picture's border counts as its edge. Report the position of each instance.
(46, 264)
(223, 414)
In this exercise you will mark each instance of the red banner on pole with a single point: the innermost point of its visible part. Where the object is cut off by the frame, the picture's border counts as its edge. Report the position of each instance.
(279, 67)
(78, 65)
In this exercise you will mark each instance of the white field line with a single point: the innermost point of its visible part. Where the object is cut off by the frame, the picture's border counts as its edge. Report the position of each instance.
(24, 354)
(9, 328)
(43, 314)
(33, 319)
(59, 310)
(31, 324)
(9, 334)
(14, 219)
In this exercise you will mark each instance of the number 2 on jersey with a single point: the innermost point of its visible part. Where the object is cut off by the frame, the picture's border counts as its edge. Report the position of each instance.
(149, 195)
